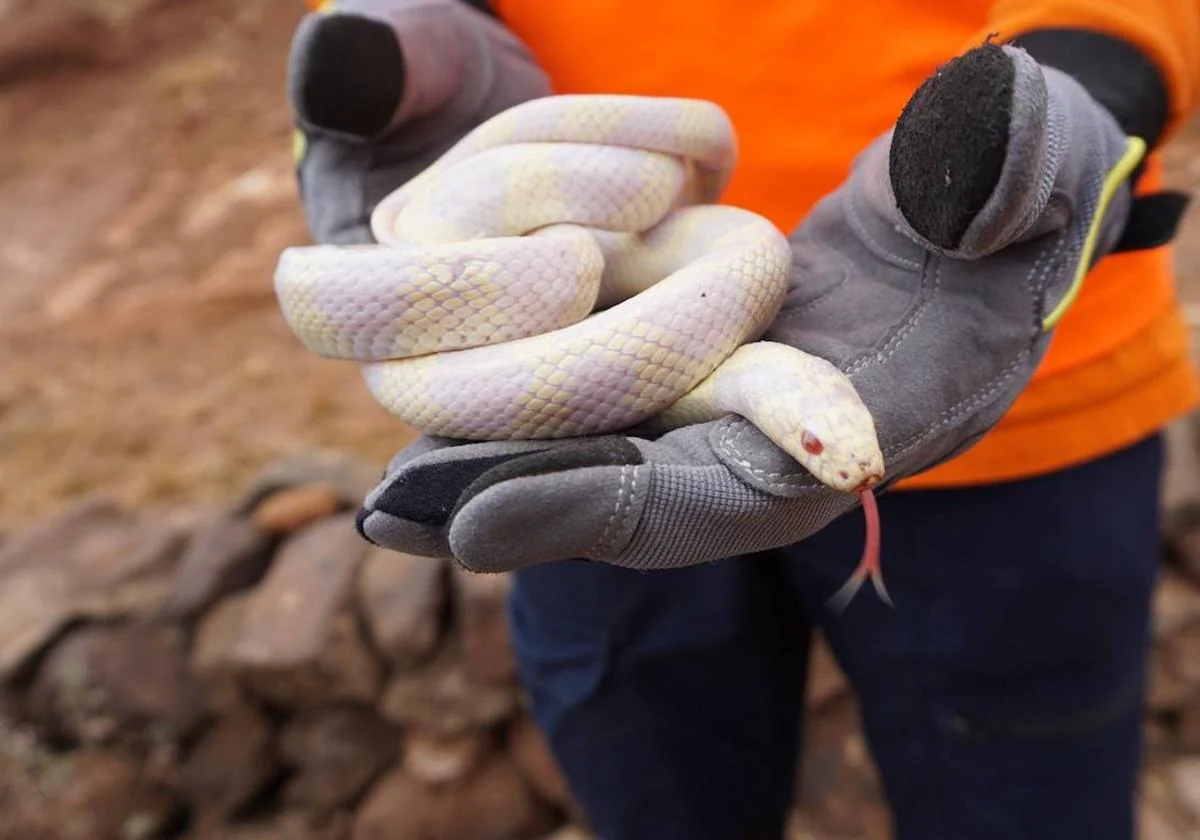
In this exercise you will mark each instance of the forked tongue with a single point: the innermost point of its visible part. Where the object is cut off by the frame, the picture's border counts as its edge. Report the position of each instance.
(869, 565)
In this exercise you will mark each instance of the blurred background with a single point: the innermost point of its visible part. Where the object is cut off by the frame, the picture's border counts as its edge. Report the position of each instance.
(189, 643)
(146, 190)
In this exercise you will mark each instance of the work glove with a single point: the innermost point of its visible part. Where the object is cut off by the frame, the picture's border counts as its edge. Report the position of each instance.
(379, 89)
(933, 277)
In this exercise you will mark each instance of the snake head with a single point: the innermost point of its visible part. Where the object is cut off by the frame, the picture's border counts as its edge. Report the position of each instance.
(804, 404)
(811, 410)
(840, 451)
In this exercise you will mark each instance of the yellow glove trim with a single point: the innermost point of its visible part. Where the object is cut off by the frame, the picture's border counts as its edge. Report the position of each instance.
(1135, 150)
(299, 146)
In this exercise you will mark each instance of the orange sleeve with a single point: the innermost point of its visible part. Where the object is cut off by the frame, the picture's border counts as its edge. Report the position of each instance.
(1167, 31)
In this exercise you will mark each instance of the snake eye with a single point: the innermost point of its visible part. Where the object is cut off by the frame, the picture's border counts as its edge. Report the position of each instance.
(811, 443)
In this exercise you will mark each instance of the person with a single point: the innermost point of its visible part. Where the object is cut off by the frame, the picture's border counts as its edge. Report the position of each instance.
(1001, 695)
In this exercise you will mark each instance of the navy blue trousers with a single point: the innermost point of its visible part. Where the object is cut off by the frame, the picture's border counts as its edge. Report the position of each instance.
(1000, 699)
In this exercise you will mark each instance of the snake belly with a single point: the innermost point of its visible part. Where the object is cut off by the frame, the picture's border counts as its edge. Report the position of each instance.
(563, 271)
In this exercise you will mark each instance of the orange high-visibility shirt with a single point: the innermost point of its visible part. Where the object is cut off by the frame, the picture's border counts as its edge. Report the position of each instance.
(809, 83)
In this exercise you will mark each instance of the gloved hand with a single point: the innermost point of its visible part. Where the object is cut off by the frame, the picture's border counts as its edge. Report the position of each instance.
(379, 89)
(934, 276)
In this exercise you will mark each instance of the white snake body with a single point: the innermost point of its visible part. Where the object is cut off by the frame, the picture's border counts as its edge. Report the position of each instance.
(563, 271)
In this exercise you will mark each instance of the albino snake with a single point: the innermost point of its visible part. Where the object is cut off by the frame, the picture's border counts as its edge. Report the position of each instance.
(563, 271)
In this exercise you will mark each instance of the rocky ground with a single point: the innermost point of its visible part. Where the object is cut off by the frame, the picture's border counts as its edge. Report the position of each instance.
(253, 670)
(176, 675)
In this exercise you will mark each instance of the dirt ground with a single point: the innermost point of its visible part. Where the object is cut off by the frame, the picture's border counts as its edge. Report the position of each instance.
(145, 193)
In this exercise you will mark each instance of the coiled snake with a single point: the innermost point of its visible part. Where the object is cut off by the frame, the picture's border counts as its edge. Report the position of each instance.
(564, 271)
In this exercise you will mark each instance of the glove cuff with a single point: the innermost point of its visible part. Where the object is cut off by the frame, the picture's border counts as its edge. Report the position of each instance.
(1113, 71)
(1130, 86)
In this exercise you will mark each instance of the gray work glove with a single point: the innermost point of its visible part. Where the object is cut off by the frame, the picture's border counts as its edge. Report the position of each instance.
(379, 89)
(932, 276)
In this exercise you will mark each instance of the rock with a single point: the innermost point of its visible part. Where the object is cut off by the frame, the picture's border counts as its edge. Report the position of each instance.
(344, 670)
(289, 825)
(139, 597)
(1181, 539)
(481, 603)
(96, 560)
(35, 564)
(1180, 486)
(230, 766)
(570, 832)
(442, 697)
(400, 807)
(531, 753)
(229, 554)
(437, 759)
(212, 653)
(104, 796)
(1183, 655)
(1158, 737)
(1168, 692)
(838, 787)
(35, 606)
(53, 541)
(1184, 736)
(189, 518)
(337, 753)
(352, 477)
(289, 613)
(298, 640)
(493, 803)
(287, 510)
(1185, 778)
(403, 600)
(1176, 604)
(1153, 824)
(99, 545)
(117, 684)
(826, 681)
(1175, 671)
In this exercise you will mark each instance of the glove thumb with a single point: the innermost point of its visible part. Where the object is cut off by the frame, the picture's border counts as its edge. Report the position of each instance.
(995, 149)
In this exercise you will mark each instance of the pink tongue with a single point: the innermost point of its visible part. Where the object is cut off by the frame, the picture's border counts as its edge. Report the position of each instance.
(870, 556)
(869, 565)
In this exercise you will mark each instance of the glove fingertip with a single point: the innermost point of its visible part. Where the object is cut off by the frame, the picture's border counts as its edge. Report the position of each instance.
(382, 530)
(361, 525)
(347, 74)
(950, 143)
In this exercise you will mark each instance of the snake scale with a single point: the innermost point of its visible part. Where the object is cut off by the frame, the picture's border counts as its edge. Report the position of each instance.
(564, 270)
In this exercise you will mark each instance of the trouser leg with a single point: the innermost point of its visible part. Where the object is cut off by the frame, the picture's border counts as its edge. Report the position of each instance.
(670, 699)
(1002, 697)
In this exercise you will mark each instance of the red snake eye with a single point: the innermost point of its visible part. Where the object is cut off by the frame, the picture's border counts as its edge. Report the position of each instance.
(811, 443)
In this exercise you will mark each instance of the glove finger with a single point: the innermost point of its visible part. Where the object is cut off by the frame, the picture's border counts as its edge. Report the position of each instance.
(347, 74)
(1005, 135)
(412, 508)
(640, 504)
(379, 89)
